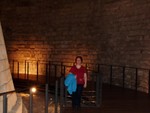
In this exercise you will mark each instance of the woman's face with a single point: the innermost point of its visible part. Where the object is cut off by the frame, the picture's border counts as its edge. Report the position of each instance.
(78, 61)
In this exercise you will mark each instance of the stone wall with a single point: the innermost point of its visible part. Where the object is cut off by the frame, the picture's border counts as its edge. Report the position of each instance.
(126, 25)
(106, 31)
(50, 31)
(6, 83)
(126, 38)
(102, 31)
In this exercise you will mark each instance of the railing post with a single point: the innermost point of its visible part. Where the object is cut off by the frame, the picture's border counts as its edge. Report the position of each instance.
(27, 70)
(64, 70)
(149, 84)
(101, 88)
(47, 77)
(18, 70)
(123, 79)
(65, 96)
(56, 96)
(61, 67)
(61, 93)
(5, 103)
(37, 71)
(13, 73)
(25, 66)
(97, 90)
(31, 102)
(49, 70)
(110, 75)
(46, 98)
(136, 79)
(55, 71)
(98, 68)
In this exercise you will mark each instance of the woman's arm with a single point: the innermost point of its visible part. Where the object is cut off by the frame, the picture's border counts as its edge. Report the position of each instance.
(85, 79)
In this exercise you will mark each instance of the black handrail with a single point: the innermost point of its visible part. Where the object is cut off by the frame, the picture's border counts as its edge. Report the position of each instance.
(5, 98)
(53, 62)
(124, 66)
(8, 92)
(18, 91)
(149, 83)
(96, 68)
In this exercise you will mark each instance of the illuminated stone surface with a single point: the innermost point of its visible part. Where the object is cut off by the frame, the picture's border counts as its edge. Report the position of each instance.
(6, 83)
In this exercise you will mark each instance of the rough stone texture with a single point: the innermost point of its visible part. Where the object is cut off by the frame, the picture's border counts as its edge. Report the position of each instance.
(5, 76)
(102, 31)
(55, 30)
(106, 31)
(126, 32)
(6, 83)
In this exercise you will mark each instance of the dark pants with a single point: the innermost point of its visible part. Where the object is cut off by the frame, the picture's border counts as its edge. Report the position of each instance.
(76, 96)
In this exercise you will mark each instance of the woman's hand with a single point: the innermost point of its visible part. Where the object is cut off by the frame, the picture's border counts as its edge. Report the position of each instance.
(85, 85)
(75, 76)
(85, 79)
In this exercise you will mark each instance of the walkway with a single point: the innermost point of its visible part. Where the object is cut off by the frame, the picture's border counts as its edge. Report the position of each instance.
(118, 100)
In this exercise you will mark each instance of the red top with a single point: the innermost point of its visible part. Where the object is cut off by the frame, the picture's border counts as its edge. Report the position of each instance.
(79, 73)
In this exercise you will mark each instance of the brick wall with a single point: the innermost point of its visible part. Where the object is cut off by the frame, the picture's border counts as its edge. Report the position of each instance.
(102, 31)
(39, 30)
(6, 83)
(126, 26)
(111, 32)
(125, 37)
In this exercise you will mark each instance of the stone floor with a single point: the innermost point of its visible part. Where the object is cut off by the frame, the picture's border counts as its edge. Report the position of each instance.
(38, 102)
(115, 100)
(118, 100)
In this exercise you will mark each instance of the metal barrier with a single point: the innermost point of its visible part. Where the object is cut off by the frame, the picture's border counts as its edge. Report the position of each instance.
(46, 98)
(52, 66)
(123, 77)
(62, 94)
(5, 103)
(58, 81)
(5, 98)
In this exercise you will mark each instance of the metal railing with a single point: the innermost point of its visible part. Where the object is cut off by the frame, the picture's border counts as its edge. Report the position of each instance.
(47, 100)
(61, 93)
(5, 98)
(124, 71)
(54, 69)
(4, 94)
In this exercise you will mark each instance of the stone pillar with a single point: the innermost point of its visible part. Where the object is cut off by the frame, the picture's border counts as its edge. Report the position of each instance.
(6, 83)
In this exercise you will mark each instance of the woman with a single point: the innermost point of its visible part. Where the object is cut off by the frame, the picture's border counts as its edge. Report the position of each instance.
(81, 76)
